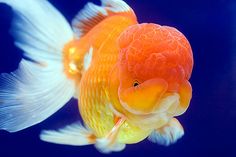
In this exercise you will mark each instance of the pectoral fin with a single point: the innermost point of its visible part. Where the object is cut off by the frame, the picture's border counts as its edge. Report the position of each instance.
(168, 134)
(108, 144)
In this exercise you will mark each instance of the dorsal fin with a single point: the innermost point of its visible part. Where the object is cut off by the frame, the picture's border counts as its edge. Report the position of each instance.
(93, 14)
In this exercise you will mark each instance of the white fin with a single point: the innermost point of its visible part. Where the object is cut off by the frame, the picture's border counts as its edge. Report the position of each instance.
(93, 14)
(103, 146)
(108, 144)
(74, 134)
(36, 89)
(168, 134)
(78, 135)
(39, 29)
(116, 5)
(87, 18)
(88, 59)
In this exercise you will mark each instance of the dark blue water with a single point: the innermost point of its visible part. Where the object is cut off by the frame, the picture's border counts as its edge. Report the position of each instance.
(210, 122)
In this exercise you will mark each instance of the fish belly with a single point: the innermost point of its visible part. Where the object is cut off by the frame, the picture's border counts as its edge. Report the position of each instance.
(97, 115)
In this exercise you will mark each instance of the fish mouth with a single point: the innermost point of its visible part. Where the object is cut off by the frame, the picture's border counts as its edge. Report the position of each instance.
(164, 110)
(168, 104)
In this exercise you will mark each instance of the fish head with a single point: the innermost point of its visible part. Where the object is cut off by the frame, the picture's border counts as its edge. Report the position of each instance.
(154, 66)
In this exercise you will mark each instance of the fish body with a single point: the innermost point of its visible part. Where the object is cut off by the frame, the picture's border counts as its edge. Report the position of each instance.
(94, 101)
(130, 79)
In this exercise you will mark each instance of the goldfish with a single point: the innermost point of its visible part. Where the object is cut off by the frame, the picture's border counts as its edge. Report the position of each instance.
(131, 79)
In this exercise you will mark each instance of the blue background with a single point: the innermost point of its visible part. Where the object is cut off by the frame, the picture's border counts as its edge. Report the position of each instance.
(210, 121)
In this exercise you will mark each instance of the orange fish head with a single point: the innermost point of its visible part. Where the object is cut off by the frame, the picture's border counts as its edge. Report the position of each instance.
(155, 64)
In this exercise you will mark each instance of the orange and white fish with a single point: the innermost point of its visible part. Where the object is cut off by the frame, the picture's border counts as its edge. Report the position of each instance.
(130, 79)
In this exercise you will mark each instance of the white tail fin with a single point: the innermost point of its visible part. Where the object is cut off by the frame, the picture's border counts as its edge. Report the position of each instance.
(36, 89)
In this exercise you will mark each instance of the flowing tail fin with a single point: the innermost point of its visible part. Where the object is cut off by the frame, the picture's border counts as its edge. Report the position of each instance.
(39, 87)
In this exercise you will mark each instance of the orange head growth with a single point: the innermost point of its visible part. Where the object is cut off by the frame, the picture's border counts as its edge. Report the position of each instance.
(154, 62)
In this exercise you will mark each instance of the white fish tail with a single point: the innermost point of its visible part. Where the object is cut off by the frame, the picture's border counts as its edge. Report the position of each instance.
(38, 88)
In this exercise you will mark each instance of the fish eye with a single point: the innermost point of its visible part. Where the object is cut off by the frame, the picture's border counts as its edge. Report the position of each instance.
(136, 83)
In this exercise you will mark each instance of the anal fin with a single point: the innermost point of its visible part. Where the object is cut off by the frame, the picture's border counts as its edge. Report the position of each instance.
(78, 135)
(75, 134)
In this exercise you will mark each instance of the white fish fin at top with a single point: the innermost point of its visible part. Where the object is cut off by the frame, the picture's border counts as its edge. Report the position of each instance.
(168, 134)
(36, 89)
(93, 14)
(116, 6)
(75, 134)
